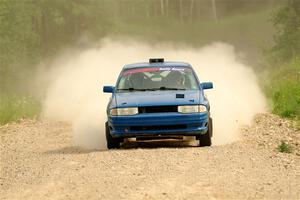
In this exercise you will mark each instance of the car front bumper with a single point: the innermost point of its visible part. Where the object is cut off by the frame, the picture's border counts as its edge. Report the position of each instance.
(157, 124)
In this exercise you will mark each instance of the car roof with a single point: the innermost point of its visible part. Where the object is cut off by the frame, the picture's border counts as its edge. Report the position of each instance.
(157, 64)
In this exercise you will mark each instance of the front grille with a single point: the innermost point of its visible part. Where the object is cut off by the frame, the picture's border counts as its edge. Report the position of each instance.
(162, 127)
(157, 109)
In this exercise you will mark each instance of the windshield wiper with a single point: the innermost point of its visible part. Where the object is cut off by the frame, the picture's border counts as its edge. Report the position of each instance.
(166, 88)
(150, 89)
(132, 89)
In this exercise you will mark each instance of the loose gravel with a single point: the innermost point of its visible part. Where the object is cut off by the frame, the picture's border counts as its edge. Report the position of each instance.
(38, 161)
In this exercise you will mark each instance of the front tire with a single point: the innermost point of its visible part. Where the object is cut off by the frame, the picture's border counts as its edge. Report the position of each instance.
(112, 143)
(205, 140)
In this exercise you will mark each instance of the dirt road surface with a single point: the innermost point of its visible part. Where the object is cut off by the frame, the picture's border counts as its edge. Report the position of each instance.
(38, 161)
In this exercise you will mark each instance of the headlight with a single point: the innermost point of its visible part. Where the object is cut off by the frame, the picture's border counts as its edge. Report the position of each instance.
(124, 111)
(192, 109)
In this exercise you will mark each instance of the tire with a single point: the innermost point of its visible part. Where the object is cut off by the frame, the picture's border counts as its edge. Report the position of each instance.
(205, 140)
(112, 143)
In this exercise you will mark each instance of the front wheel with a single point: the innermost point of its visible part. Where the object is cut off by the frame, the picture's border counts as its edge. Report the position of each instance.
(112, 143)
(205, 140)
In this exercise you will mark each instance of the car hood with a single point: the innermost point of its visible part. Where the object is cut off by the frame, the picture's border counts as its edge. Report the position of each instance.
(157, 98)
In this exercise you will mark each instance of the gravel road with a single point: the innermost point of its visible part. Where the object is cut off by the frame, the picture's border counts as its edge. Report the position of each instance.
(38, 161)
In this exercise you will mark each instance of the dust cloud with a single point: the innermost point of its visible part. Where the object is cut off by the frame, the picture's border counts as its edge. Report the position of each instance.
(75, 82)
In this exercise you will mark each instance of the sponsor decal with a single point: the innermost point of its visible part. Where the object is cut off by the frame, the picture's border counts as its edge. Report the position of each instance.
(153, 69)
(140, 70)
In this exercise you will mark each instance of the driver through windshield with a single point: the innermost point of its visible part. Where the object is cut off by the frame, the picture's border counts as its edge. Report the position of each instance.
(157, 78)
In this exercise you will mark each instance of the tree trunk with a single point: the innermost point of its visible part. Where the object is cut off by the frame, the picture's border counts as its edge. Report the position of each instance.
(162, 11)
(181, 10)
(214, 10)
(192, 9)
(167, 7)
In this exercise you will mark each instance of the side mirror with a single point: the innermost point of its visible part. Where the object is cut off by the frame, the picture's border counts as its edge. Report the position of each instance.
(108, 89)
(207, 85)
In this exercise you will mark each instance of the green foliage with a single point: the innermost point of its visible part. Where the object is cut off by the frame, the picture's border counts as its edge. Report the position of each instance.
(285, 147)
(286, 100)
(284, 86)
(32, 31)
(284, 89)
(287, 37)
(13, 108)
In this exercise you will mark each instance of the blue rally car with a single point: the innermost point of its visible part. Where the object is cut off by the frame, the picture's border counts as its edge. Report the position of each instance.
(158, 99)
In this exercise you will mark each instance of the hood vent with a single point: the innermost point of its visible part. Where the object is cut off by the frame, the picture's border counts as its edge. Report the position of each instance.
(179, 96)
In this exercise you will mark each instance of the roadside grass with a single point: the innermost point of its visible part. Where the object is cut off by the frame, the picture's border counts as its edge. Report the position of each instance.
(284, 147)
(284, 90)
(14, 108)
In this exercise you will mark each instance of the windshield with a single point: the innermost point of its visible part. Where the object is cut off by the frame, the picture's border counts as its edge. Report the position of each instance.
(156, 78)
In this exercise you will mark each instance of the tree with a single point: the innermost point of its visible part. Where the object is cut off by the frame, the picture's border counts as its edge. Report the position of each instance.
(287, 37)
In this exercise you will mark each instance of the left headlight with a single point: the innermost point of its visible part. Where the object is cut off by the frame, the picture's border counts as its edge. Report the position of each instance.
(192, 109)
(124, 111)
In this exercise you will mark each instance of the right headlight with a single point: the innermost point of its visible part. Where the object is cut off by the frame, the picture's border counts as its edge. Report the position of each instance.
(124, 111)
(192, 109)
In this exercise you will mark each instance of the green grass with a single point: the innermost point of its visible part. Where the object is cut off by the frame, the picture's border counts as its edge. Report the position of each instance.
(284, 90)
(284, 147)
(14, 108)
(286, 100)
